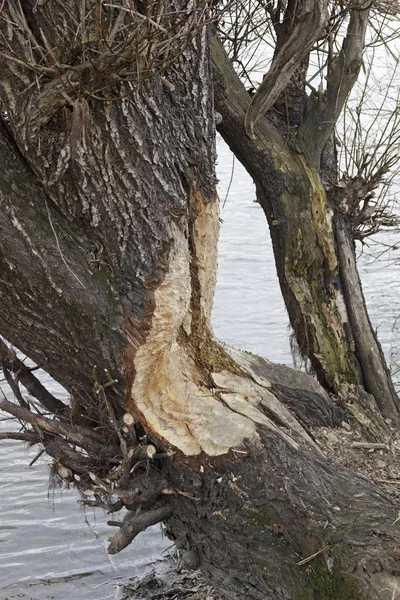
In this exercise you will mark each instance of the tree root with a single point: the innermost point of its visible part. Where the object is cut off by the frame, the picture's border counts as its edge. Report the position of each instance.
(133, 524)
(109, 465)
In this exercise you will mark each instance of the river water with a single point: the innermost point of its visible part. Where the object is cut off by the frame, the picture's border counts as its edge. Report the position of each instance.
(49, 548)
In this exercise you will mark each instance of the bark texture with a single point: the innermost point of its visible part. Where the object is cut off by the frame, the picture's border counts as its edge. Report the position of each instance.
(318, 283)
(108, 232)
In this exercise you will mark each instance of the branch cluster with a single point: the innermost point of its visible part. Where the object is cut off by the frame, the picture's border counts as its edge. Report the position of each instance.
(355, 197)
(110, 461)
(126, 41)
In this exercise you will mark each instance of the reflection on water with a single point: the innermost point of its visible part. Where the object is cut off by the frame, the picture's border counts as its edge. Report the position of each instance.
(49, 548)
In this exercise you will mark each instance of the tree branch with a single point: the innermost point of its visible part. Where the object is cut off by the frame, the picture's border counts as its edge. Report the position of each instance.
(133, 525)
(58, 448)
(92, 441)
(311, 21)
(28, 436)
(232, 101)
(323, 110)
(14, 386)
(32, 384)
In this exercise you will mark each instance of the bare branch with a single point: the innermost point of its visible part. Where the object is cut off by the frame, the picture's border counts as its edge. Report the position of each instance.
(14, 386)
(324, 109)
(133, 525)
(32, 384)
(28, 436)
(310, 24)
(60, 449)
(88, 439)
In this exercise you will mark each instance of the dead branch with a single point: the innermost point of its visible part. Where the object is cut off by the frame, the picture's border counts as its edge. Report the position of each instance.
(60, 450)
(369, 446)
(35, 388)
(14, 386)
(88, 439)
(27, 436)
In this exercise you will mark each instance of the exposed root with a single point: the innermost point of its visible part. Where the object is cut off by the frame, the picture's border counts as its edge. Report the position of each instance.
(133, 524)
(109, 465)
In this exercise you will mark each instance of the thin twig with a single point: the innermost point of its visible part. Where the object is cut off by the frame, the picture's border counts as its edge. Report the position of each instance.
(309, 558)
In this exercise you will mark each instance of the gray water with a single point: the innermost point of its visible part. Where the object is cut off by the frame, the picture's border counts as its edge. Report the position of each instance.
(49, 548)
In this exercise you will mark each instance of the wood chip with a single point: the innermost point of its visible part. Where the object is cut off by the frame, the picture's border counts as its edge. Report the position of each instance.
(368, 446)
(150, 451)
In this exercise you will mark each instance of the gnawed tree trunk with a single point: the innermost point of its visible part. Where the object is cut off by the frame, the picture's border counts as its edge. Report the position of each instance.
(108, 230)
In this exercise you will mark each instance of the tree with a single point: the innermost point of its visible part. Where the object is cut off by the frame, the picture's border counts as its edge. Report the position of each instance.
(314, 215)
(108, 231)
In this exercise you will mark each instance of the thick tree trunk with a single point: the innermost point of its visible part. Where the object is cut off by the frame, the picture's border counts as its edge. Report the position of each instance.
(108, 257)
(277, 522)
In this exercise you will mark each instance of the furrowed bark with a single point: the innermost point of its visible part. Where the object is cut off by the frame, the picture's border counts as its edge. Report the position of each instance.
(108, 266)
(318, 533)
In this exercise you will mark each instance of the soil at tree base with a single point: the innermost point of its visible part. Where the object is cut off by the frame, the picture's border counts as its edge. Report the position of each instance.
(379, 465)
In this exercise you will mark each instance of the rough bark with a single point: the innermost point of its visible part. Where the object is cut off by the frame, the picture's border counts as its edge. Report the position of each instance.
(308, 21)
(314, 279)
(108, 260)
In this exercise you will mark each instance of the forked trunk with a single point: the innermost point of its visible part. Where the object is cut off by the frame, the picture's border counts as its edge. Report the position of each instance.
(314, 252)
(108, 230)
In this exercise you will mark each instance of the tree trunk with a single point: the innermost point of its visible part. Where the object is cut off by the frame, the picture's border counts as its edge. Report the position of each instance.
(278, 522)
(314, 253)
(108, 231)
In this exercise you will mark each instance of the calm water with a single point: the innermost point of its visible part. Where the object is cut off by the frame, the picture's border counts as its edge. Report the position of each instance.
(49, 548)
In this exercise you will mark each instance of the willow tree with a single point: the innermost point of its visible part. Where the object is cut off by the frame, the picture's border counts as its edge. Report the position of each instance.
(315, 211)
(108, 232)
